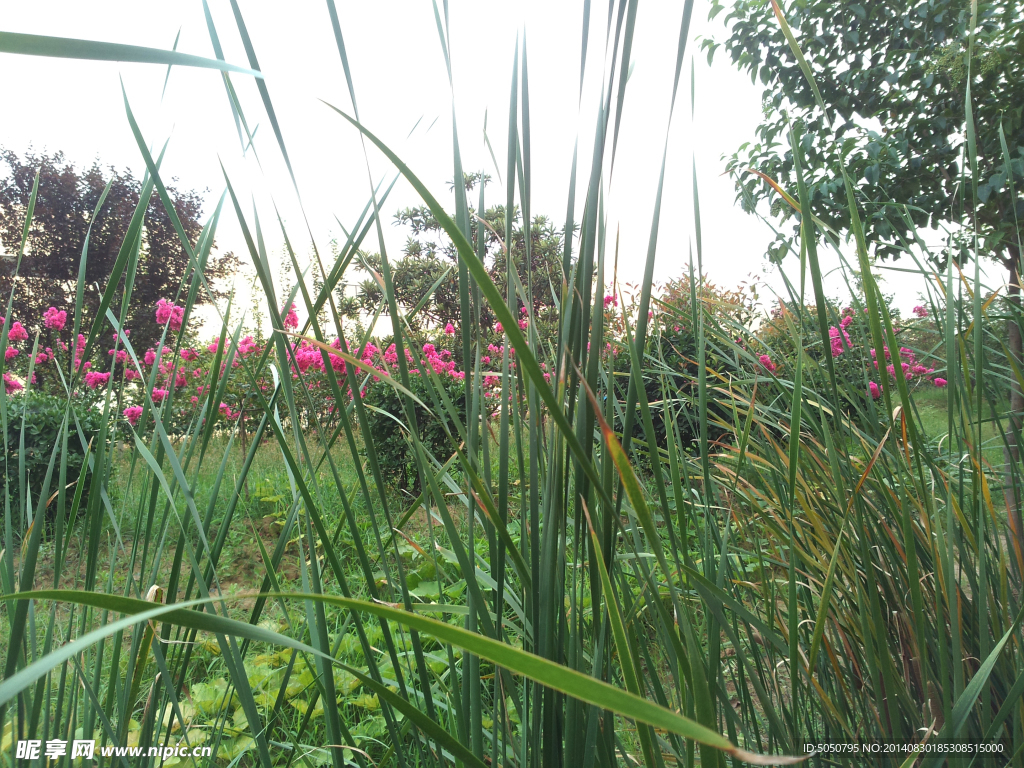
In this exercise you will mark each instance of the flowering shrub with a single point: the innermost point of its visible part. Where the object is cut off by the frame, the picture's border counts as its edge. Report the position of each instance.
(672, 340)
(852, 353)
(180, 374)
(393, 446)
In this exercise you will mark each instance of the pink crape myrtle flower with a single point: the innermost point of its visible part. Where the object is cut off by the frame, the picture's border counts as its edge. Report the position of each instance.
(449, 329)
(11, 385)
(95, 379)
(55, 319)
(291, 320)
(167, 311)
(939, 382)
(17, 332)
(874, 390)
(920, 311)
(840, 340)
(247, 346)
(767, 363)
(159, 395)
(498, 328)
(133, 414)
(10, 353)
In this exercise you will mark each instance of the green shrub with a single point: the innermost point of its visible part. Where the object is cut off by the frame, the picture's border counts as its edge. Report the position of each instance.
(386, 419)
(43, 416)
(671, 354)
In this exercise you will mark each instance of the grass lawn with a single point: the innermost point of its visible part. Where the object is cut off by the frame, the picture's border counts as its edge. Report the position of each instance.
(931, 403)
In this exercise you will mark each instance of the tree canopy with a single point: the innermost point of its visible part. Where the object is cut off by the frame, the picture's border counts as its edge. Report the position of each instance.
(893, 77)
(67, 197)
(429, 253)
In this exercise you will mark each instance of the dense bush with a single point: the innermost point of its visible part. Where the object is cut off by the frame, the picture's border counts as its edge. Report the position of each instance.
(39, 417)
(388, 428)
(671, 353)
(850, 346)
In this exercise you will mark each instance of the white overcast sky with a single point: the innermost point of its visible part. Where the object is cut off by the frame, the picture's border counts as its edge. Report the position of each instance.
(399, 75)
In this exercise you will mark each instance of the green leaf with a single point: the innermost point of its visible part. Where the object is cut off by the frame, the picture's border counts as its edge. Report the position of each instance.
(92, 50)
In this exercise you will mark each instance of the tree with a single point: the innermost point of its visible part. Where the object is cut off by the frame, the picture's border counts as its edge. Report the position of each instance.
(428, 253)
(67, 197)
(894, 79)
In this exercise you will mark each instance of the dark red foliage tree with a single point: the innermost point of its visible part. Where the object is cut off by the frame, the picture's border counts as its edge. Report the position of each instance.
(48, 276)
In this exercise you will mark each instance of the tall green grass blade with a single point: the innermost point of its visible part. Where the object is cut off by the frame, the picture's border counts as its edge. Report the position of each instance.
(91, 50)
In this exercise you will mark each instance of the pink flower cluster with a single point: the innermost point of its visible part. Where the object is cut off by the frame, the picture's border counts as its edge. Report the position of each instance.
(839, 339)
(226, 412)
(78, 361)
(906, 367)
(245, 347)
(133, 414)
(95, 379)
(55, 320)
(17, 331)
(150, 357)
(167, 311)
(524, 321)
(906, 364)
(308, 356)
(920, 311)
(291, 320)
(441, 361)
